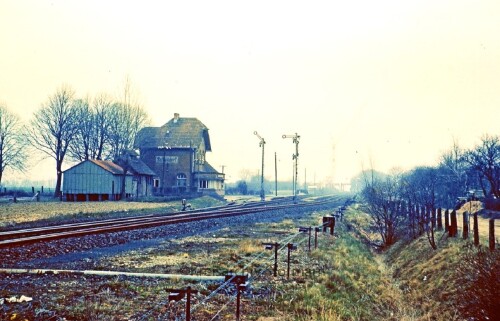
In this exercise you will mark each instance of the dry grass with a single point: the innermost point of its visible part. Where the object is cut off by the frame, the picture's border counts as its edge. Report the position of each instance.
(483, 223)
(15, 213)
(345, 280)
(29, 212)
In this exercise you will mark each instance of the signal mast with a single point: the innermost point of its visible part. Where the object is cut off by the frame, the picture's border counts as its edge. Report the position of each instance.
(295, 139)
(261, 144)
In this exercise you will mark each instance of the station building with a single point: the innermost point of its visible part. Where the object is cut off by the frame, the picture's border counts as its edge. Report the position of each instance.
(176, 153)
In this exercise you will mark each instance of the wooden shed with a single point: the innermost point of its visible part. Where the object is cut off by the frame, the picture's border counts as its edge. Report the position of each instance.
(95, 180)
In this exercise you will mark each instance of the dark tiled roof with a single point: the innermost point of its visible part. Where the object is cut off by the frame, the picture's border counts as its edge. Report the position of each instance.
(140, 168)
(109, 166)
(177, 133)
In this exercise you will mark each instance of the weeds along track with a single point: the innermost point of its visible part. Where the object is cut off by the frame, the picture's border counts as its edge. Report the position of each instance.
(14, 238)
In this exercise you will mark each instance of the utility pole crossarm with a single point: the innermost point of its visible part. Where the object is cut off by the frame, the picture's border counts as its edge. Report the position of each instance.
(295, 138)
(262, 141)
(261, 144)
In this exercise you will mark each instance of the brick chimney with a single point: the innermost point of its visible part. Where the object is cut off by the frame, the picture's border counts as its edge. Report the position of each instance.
(176, 117)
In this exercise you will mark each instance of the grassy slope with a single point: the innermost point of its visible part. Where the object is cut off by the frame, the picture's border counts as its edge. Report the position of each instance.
(441, 284)
(345, 282)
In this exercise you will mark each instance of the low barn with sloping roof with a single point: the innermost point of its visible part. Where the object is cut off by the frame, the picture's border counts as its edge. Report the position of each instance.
(95, 180)
(142, 182)
(176, 152)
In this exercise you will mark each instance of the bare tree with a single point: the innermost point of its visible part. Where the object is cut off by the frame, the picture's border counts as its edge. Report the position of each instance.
(452, 171)
(127, 118)
(485, 158)
(102, 123)
(12, 143)
(92, 136)
(383, 204)
(421, 189)
(53, 128)
(81, 149)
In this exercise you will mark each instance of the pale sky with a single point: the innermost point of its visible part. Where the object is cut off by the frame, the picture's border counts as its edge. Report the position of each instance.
(390, 83)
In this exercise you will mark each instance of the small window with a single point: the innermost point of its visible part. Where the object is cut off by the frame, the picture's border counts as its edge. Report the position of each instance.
(156, 182)
(181, 179)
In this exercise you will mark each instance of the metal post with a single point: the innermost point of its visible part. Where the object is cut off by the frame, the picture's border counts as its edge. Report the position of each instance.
(275, 174)
(241, 284)
(188, 303)
(295, 157)
(261, 144)
(163, 172)
(238, 298)
(178, 294)
(269, 246)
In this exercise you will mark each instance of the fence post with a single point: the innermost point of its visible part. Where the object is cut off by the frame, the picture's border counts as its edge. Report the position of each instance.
(453, 228)
(476, 230)
(465, 232)
(290, 247)
(432, 217)
(440, 220)
(316, 230)
(492, 234)
(447, 220)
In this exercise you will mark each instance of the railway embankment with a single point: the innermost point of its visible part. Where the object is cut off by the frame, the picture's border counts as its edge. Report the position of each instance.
(456, 281)
(339, 277)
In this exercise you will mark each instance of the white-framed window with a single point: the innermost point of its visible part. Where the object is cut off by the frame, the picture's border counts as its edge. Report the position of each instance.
(181, 179)
(156, 182)
(203, 183)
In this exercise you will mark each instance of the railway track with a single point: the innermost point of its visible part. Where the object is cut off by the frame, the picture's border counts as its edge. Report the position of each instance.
(14, 238)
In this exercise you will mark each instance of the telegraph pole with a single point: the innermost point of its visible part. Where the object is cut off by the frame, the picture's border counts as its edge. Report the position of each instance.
(275, 174)
(261, 144)
(295, 139)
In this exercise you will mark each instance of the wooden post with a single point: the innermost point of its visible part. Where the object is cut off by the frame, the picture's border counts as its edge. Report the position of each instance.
(453, 228)
(476, 230)
(316, 230)
(310, 230)
(492, 234)
(447, 220)
(465, 232)
(439, 220)
(433, 218)
(332, 225)
(238, 300)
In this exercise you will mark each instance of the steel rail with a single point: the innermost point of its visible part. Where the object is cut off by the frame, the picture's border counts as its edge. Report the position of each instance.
(10, 234)
(22, 237)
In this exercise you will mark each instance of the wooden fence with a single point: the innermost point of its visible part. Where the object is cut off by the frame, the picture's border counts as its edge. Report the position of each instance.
(451, 225)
